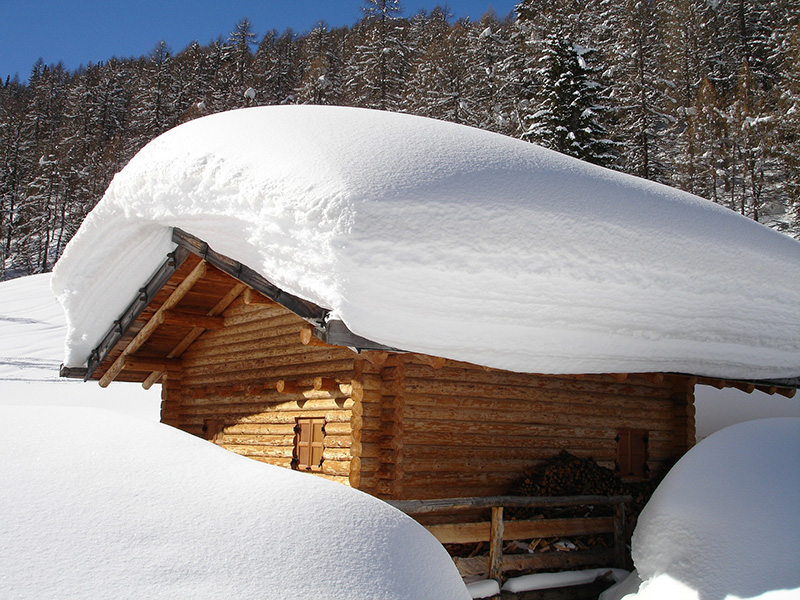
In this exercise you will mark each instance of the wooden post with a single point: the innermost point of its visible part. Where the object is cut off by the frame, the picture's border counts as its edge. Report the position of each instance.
(496, 545)
(620, 554)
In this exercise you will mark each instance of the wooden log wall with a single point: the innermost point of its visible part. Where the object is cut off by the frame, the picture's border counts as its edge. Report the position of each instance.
(230, 378)
(470, 431)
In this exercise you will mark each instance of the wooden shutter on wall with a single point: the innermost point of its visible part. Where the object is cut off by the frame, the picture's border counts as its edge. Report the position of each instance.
(309, 442)
(632, 452)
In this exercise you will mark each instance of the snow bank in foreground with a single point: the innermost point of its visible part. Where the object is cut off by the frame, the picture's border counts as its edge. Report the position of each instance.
(439, 238)
(105, 506)
(725, 521)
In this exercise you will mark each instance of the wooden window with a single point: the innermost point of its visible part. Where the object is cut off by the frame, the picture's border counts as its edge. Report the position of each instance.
(309, 442)
(632, 453)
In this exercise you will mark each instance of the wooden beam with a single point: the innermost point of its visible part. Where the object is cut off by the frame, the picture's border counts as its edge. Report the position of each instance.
(307, 337)
(252, 297)
(496, 544)
(151, 363)
(188, 319)
(286, 387)
(157, 319)
(196, 332)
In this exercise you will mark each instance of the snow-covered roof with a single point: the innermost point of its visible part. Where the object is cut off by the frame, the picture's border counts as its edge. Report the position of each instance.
(438, 238)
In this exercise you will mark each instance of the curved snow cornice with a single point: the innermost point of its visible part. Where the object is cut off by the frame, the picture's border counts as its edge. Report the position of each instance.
(447, 240)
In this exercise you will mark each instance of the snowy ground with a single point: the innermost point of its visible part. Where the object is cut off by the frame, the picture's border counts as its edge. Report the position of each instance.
(32, 330)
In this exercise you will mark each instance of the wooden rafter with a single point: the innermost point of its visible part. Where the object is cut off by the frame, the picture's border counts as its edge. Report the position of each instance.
(198, 330)
(157, 319)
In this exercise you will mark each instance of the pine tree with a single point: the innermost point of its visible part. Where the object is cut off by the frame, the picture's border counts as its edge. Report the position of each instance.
(375, 76)
(571, 106)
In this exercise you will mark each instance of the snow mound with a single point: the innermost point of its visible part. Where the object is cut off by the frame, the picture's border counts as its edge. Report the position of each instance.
(725, 521)
(443, 239)
(106, 506)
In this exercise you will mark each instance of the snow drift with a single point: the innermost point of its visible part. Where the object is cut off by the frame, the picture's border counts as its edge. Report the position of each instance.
(725, 523)
(107, 506)
(439, 238)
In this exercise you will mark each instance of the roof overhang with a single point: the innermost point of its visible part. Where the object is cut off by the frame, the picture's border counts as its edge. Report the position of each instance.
(329, 330)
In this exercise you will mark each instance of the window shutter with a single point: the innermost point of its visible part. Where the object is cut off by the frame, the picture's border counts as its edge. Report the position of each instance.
(632, 452)
(309, 443)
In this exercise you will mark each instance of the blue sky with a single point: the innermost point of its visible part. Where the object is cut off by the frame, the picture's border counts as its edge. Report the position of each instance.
(90, 31)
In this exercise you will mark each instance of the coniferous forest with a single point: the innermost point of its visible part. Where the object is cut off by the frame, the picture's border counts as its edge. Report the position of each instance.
(703, 95)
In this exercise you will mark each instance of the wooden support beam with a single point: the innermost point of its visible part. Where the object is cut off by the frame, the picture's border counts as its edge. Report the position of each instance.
(187, 319)
(196, 332)
(496, 545)
(151, 363)
(286, 387)
(376, 357)
(437, 362)
(307, 337)
(157, 319)
(325, 383)
(251, 296)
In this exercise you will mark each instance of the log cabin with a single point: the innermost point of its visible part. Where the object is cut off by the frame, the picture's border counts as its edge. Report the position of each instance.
(258, 360)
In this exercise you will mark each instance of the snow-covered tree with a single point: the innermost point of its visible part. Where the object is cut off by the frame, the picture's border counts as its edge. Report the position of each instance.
(375, 74)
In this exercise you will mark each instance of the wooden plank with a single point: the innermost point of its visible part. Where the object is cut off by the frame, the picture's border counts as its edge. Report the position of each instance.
(157, 319)
(416, 507)
(468, 533)
(479, 565)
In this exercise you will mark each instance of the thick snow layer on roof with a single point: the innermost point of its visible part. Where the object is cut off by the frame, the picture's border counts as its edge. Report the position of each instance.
(725, 521)
(108, 506)
(438, 238)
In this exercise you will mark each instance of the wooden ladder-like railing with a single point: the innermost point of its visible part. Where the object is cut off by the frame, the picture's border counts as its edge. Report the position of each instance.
(499, 530)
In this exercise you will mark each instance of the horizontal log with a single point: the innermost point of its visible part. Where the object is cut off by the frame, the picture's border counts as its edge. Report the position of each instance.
(340, 454)
(336, 467)
(563, 561)
(186, 319)
(245, 414)
(251, 350)
(517, 420)
(257, 361)
(449, 454)
(258, 439)
(252, 297)
(255, 313)
(262, 451)
(240, 402)
(339, 368)
(259, 429)
(415, 507)
(148, 363)
(632, 386)
(468, 533)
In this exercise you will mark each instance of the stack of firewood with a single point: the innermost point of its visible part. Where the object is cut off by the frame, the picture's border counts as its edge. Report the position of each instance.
(567, 475)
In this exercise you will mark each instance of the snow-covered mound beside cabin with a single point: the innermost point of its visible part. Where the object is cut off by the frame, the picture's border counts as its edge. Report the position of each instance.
(100, 505)
(444, 239)
(725, 521)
